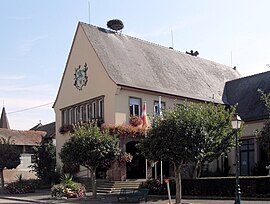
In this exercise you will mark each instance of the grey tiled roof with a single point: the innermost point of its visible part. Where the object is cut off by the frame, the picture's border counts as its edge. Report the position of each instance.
(48, 128)
(244, 91)
(140, 64)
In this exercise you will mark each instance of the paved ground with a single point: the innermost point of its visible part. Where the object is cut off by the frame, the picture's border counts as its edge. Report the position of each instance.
(43, 196)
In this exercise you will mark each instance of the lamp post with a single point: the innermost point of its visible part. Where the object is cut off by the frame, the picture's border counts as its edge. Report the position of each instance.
(236, 124)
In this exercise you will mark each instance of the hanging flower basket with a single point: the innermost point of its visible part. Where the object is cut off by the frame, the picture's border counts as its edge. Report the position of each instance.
(66, 128)
(124, 157)
(125, 131)
(135, 121)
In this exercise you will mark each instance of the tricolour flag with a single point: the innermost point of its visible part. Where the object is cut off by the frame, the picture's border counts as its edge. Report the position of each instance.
(159, 112)
(144, 116)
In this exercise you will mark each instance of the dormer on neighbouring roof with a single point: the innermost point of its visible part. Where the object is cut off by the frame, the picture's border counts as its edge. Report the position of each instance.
(4, 120)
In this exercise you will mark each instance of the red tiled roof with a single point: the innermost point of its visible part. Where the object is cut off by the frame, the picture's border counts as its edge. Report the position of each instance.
(20, 137)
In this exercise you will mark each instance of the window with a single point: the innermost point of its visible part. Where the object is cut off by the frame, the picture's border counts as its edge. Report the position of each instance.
(247, 161)
(71, 119)
(88, 112)
(100, 108)
(83, 111)
(163, 106)
(65, 117)
(134, 106)
(93, 110)
(76, 115)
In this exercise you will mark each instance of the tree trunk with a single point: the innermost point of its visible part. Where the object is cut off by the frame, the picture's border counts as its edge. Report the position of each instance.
(93, 179)
(2, 178)
(178, 195)
(197, 170)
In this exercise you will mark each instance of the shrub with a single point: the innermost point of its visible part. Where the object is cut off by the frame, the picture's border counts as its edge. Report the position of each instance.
(21, 186)
(71, 169)
(154, 186)
(68, 188)
(251, 186)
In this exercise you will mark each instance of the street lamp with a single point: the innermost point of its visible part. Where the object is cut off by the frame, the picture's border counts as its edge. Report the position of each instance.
(236, 124)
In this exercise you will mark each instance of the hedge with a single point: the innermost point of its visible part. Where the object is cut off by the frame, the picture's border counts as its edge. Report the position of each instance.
(215, 186)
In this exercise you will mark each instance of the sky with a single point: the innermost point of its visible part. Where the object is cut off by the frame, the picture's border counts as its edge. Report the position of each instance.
(36, 37)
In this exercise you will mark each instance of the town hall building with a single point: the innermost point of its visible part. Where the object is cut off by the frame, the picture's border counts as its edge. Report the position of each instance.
(109, 76)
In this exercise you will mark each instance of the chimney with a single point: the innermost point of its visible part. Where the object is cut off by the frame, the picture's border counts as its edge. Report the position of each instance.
(196, 53)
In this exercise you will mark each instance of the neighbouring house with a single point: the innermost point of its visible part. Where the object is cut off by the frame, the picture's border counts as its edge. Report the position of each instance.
(24, 141)
(252, 110)
(50, 132)
(109, 75)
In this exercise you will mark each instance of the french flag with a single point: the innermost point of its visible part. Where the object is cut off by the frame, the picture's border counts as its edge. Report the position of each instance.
(159, 112)
(144, 116)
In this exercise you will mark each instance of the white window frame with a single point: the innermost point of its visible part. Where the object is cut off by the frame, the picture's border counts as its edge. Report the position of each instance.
(94, 110)
(133, 102)
(100, 108)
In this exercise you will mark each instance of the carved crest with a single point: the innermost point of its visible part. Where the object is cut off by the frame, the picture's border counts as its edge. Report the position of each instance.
(80, 76)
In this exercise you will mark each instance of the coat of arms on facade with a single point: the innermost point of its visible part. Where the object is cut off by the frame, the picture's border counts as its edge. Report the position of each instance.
(80, 76)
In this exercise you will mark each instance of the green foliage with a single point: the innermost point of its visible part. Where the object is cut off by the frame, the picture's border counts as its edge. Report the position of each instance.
(45, 162)
(9, 156)
(21, 186)
(155, 187)
(250, 187)
(68, 188)
(264, 134)
(189, 133)
(89, 147)
(192, 132)
(264, 138)
(265, 98)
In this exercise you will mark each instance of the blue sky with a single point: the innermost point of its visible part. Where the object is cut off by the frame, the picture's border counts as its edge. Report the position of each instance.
(36, 37)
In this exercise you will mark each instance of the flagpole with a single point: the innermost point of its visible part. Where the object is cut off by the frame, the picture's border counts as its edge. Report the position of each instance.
(161, 163)
(156, 170)
(145, 125)
(146, 172)
(161, 172)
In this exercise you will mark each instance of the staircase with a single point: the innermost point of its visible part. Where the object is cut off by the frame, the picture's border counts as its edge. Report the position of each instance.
(104, 186)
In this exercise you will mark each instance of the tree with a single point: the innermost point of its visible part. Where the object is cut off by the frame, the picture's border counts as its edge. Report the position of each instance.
(183, 133)
(264, 133)
(217, 134)
(90, 147)
(9, 157)
(264, 138)
(45, 162)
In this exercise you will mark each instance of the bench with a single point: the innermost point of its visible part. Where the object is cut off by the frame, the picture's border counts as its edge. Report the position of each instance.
(133, 194)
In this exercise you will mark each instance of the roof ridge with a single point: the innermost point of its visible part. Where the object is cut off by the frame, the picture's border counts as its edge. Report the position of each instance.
(249, 76)
(156, 44)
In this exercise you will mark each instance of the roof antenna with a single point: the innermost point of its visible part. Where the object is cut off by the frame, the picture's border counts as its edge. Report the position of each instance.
(172, 37)
(231, 58)
(89, 11)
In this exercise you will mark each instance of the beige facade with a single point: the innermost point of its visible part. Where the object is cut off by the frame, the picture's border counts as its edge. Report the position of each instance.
(116, 98)
(98, 84)
(112, 92)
